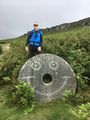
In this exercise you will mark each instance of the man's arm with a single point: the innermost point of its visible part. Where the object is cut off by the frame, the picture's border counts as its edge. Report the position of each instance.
(28, 37)
(41, 39)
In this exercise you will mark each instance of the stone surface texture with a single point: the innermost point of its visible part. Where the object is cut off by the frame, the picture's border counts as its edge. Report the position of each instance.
(46, 65)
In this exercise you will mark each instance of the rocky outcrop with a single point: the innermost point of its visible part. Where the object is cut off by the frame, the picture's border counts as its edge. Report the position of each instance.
(82, 23)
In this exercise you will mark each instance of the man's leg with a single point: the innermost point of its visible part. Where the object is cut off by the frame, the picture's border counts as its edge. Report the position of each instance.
(31, 51)
(37, 51)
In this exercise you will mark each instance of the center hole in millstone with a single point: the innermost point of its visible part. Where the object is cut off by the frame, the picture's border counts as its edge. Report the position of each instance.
(47, 78)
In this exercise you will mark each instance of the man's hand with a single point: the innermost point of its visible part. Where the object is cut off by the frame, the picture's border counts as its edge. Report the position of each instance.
(26, 48)
(39, 48)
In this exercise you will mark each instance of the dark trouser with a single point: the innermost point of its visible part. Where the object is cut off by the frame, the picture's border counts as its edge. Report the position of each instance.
(33, 51)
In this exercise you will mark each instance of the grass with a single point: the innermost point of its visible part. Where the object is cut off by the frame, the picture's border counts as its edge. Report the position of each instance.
(56, 110)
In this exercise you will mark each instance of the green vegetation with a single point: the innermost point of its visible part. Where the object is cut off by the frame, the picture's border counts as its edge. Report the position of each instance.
(56, 110)
(22, 95)
(74, 46)
(83, 112)
(68, 96)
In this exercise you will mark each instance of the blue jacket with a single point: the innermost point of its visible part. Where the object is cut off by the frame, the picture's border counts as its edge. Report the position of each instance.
(32, 34)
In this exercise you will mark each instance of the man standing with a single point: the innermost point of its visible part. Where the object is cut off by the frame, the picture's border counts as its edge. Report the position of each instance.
(34, 41)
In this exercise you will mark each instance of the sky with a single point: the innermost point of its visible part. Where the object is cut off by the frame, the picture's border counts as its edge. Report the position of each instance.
(17, 16)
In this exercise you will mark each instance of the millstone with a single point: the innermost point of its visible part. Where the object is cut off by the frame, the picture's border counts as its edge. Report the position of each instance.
(49, 75)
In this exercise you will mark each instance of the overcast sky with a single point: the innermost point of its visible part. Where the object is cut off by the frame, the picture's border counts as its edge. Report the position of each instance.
(18, 16)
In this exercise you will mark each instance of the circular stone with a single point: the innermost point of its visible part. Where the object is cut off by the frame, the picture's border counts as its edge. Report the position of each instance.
(49, 75)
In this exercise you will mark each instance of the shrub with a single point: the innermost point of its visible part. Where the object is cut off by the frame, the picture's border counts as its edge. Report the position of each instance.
(5, 80)
(23, 95)
(68, 96)
(81, 82)
(79, 98)
(10, 66)
(83, 112)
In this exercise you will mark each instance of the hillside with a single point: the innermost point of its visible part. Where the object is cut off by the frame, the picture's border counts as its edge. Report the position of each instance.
(71, 43)
(67, 26)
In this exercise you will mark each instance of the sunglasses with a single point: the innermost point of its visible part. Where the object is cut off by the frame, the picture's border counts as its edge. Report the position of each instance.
(35, 25)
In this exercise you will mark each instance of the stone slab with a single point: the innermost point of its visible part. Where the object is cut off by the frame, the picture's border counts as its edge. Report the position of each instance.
(50, 75)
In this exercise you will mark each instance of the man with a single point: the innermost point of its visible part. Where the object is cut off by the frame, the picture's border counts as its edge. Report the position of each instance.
(34, 41)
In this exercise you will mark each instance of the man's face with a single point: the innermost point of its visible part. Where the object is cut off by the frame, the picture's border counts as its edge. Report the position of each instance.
(35, 27)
